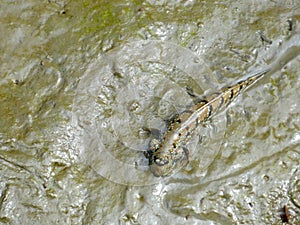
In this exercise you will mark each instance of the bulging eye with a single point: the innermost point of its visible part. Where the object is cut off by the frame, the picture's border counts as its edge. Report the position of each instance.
(160, 161)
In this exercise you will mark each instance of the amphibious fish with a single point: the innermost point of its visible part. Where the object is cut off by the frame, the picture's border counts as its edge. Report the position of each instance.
(168, 152)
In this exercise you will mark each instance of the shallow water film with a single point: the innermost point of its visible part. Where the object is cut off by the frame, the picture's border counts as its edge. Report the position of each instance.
(82, 83)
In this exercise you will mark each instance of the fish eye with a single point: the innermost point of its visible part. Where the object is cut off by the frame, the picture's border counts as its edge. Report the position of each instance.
(160, 161)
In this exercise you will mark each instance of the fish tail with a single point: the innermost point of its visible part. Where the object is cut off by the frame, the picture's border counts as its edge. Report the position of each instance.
(231, 92)
(255, 77)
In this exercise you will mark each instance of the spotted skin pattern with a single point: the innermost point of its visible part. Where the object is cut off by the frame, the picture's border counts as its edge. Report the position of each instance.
(168, 153)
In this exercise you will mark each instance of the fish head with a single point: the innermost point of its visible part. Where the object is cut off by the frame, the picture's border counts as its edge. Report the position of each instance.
(165, 159)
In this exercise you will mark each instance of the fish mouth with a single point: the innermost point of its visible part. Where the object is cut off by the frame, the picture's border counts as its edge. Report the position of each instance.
(160, 167)
(160, 171)
(163, 165)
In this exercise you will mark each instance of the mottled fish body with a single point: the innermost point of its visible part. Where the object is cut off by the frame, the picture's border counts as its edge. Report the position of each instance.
(169, 152)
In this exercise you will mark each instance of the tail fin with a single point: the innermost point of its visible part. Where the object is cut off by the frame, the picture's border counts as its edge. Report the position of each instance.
(255, 77)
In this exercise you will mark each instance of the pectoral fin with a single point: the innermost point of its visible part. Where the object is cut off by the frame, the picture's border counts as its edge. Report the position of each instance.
(186, 154)
(153, 132)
